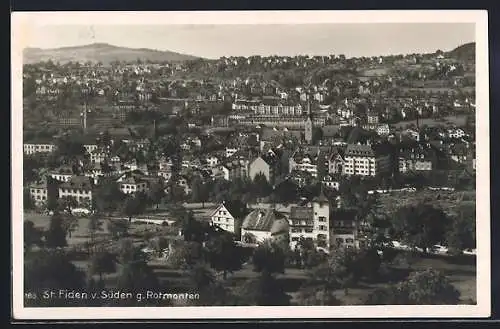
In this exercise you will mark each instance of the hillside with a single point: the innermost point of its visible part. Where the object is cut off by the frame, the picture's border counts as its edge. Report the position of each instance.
(464, 52)
(100, 52)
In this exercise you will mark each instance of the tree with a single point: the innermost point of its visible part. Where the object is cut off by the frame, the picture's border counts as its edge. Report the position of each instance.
(94, 225)
(317, 134)
(264, 290)
(156, 193)
(28, 201)
(55, 237)
(223, 254)
(269, 258)
(428, 287)
(32, 235)
(66, 203)
(462, 232)
(102, 262)
(431, 287)
(107, 197)
(135, 275)
(199, 192)
(311, 296)
(117, 228)
(51, 270)
(261, 187)
(420, 226)
(194, 230)
(286, 192)
(70, 224)
(69, 147)
(201, 276)
(309, 256)
(132, 206)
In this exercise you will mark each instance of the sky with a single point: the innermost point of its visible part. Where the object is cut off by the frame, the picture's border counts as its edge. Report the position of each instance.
(214, 41)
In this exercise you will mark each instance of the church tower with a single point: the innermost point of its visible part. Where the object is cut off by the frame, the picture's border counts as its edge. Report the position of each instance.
(308, 133)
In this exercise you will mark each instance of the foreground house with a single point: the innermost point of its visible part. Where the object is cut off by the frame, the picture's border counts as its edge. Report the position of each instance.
(311, 222)
(263, 224)
(228, 216)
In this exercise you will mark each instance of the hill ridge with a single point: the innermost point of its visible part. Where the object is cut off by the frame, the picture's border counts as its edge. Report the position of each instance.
(101, 52)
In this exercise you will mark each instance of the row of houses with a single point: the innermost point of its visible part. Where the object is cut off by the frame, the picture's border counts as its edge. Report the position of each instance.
(311, 221)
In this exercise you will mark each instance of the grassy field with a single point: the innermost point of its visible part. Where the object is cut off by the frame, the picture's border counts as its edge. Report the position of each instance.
(446, 200)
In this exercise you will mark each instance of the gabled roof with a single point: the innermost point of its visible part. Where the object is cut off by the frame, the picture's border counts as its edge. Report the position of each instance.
(321, 198)
(263, 220)
(359, 150)
(235, 208)
(78, 182)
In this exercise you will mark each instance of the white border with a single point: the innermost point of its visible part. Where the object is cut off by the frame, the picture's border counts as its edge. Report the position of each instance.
(23, 22)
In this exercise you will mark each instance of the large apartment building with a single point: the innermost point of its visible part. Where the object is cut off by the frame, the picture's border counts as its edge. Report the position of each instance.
(31, 148)
(366, 160)
(78, 187)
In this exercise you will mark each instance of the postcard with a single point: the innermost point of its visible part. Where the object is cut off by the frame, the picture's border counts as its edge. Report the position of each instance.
(250, 165)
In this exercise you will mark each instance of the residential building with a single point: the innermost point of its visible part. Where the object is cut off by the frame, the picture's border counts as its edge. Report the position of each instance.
(79, 188)
(383, 129)
(331, 182)
(263, 165)
(228, 216)
(31, 148)
(344, 231)
(39, 193)
(366, 160)
(212, 161)
(89, 148)
(336, 162)
(98, 156)
(304, 162)
(62, 174)
(263, 224)
(230, 151)
(417, 158)
(311, 222)
(456, 133)
(132, 185)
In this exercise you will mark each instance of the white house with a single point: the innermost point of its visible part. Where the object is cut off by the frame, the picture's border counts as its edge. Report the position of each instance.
(263, 224)
(222, 217)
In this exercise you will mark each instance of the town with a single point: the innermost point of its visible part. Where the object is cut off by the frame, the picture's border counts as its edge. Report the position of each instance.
(320, 180)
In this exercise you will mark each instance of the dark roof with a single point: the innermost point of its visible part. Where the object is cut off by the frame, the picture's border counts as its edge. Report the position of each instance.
(359, 150)
(78, 182)
(261, 220)
(301, 213)
(237, 208)
(66, 170)
(321, 198)
(330, 130)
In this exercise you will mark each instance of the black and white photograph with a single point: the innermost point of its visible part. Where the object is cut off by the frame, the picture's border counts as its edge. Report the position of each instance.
(194, 165)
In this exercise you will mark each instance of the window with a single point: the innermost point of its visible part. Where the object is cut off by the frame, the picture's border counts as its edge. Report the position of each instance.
(308, 230)
(349, 240)
(322, 219)
(339, 240)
